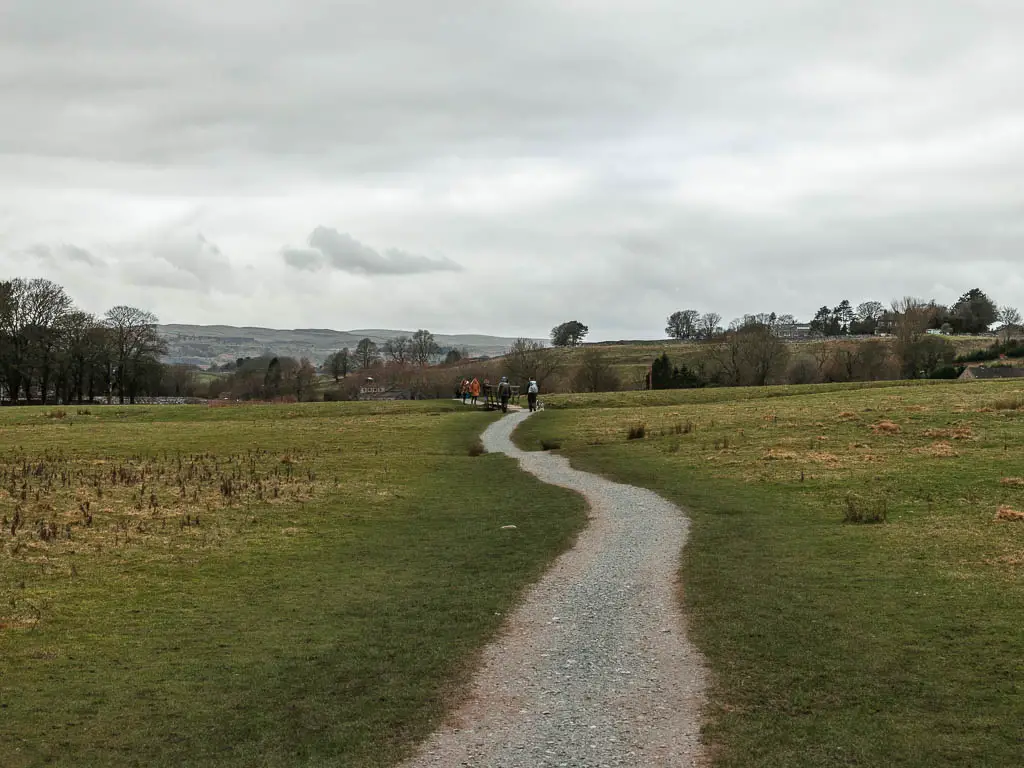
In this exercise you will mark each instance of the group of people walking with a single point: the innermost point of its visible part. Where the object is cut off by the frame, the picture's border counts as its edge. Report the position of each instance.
(470, 389)
(470, 392)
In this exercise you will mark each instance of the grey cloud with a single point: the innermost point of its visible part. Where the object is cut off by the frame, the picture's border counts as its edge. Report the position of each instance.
(341, 251)
(56, 256)
(305, 259)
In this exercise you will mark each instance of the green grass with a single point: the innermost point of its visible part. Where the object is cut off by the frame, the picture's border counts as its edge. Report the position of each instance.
(831, 643)
(324, 614)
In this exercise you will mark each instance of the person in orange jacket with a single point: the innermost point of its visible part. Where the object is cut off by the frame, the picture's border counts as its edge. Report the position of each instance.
(474, 389)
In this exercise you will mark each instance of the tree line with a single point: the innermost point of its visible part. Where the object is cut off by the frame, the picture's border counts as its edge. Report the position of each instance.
(52, 351)
(754, 351)
(974, 312)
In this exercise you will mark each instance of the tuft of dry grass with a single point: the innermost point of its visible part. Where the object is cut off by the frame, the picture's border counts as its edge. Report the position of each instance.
(823, 457)
(637, 432)
(952, 433)
(1009, 514)
(940, 449)
(886, 427)
(859, 509)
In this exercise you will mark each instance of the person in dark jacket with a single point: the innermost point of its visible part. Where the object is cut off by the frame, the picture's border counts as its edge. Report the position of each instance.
(504, 393)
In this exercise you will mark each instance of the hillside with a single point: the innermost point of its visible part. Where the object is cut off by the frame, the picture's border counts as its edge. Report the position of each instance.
(632, 359)
(209, 344)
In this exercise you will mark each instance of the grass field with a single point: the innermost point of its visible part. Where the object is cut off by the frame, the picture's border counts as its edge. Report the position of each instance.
(834, 643)
(252, 585)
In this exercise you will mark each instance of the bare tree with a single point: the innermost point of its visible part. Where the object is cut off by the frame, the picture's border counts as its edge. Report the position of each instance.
(763, 352)
(398, 350)
(708, 325)
(179, 380)
(367, 353)
(75, 354)
(423, 348)
(1011, 322)
(303, 378)
(595, 373)
(725, 351)
(339, 364)
(528, 359)
(868, 317)
(31, 315)
(136, 344)
(910, 317)
(822, 354)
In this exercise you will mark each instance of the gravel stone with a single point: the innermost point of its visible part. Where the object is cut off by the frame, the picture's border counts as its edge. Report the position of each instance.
(594, 667)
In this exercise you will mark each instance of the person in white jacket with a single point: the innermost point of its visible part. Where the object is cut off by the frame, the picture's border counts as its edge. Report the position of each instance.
(531, 394)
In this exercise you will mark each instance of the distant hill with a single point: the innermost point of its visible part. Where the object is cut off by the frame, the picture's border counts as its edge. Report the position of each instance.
(206, 345)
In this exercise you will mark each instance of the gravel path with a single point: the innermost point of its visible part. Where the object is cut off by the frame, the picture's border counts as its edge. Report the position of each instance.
(594, 667)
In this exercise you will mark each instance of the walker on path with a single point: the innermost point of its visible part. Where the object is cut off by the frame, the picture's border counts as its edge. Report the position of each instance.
(492, 400)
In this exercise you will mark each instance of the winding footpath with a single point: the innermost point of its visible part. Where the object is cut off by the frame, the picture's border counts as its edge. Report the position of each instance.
(594, 668)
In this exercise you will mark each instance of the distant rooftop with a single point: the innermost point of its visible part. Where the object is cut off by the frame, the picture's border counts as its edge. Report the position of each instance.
(993, 372)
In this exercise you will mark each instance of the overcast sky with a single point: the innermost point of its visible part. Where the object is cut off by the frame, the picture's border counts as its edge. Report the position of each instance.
(500, 167)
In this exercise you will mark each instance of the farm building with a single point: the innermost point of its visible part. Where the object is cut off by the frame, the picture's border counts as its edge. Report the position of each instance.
(374, 390)
(992, 372)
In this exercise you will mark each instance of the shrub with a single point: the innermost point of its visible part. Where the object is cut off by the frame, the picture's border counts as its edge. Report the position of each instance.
(1010, 349)
(861, 510)
(802, 371)
(550, 445)
(637, 432)
(947, 372)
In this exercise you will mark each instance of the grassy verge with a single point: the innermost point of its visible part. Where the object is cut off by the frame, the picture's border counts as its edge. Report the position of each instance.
(834, 643)
(252, 586)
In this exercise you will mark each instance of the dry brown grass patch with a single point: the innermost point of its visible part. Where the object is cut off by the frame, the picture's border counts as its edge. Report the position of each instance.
(777, 454)
(52, 504)
(1012, 560)
(953, 433)
(822, 457)
(886, 427)
(847, 415)
(940, 449)
(1009, 514)
(1011, 481)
